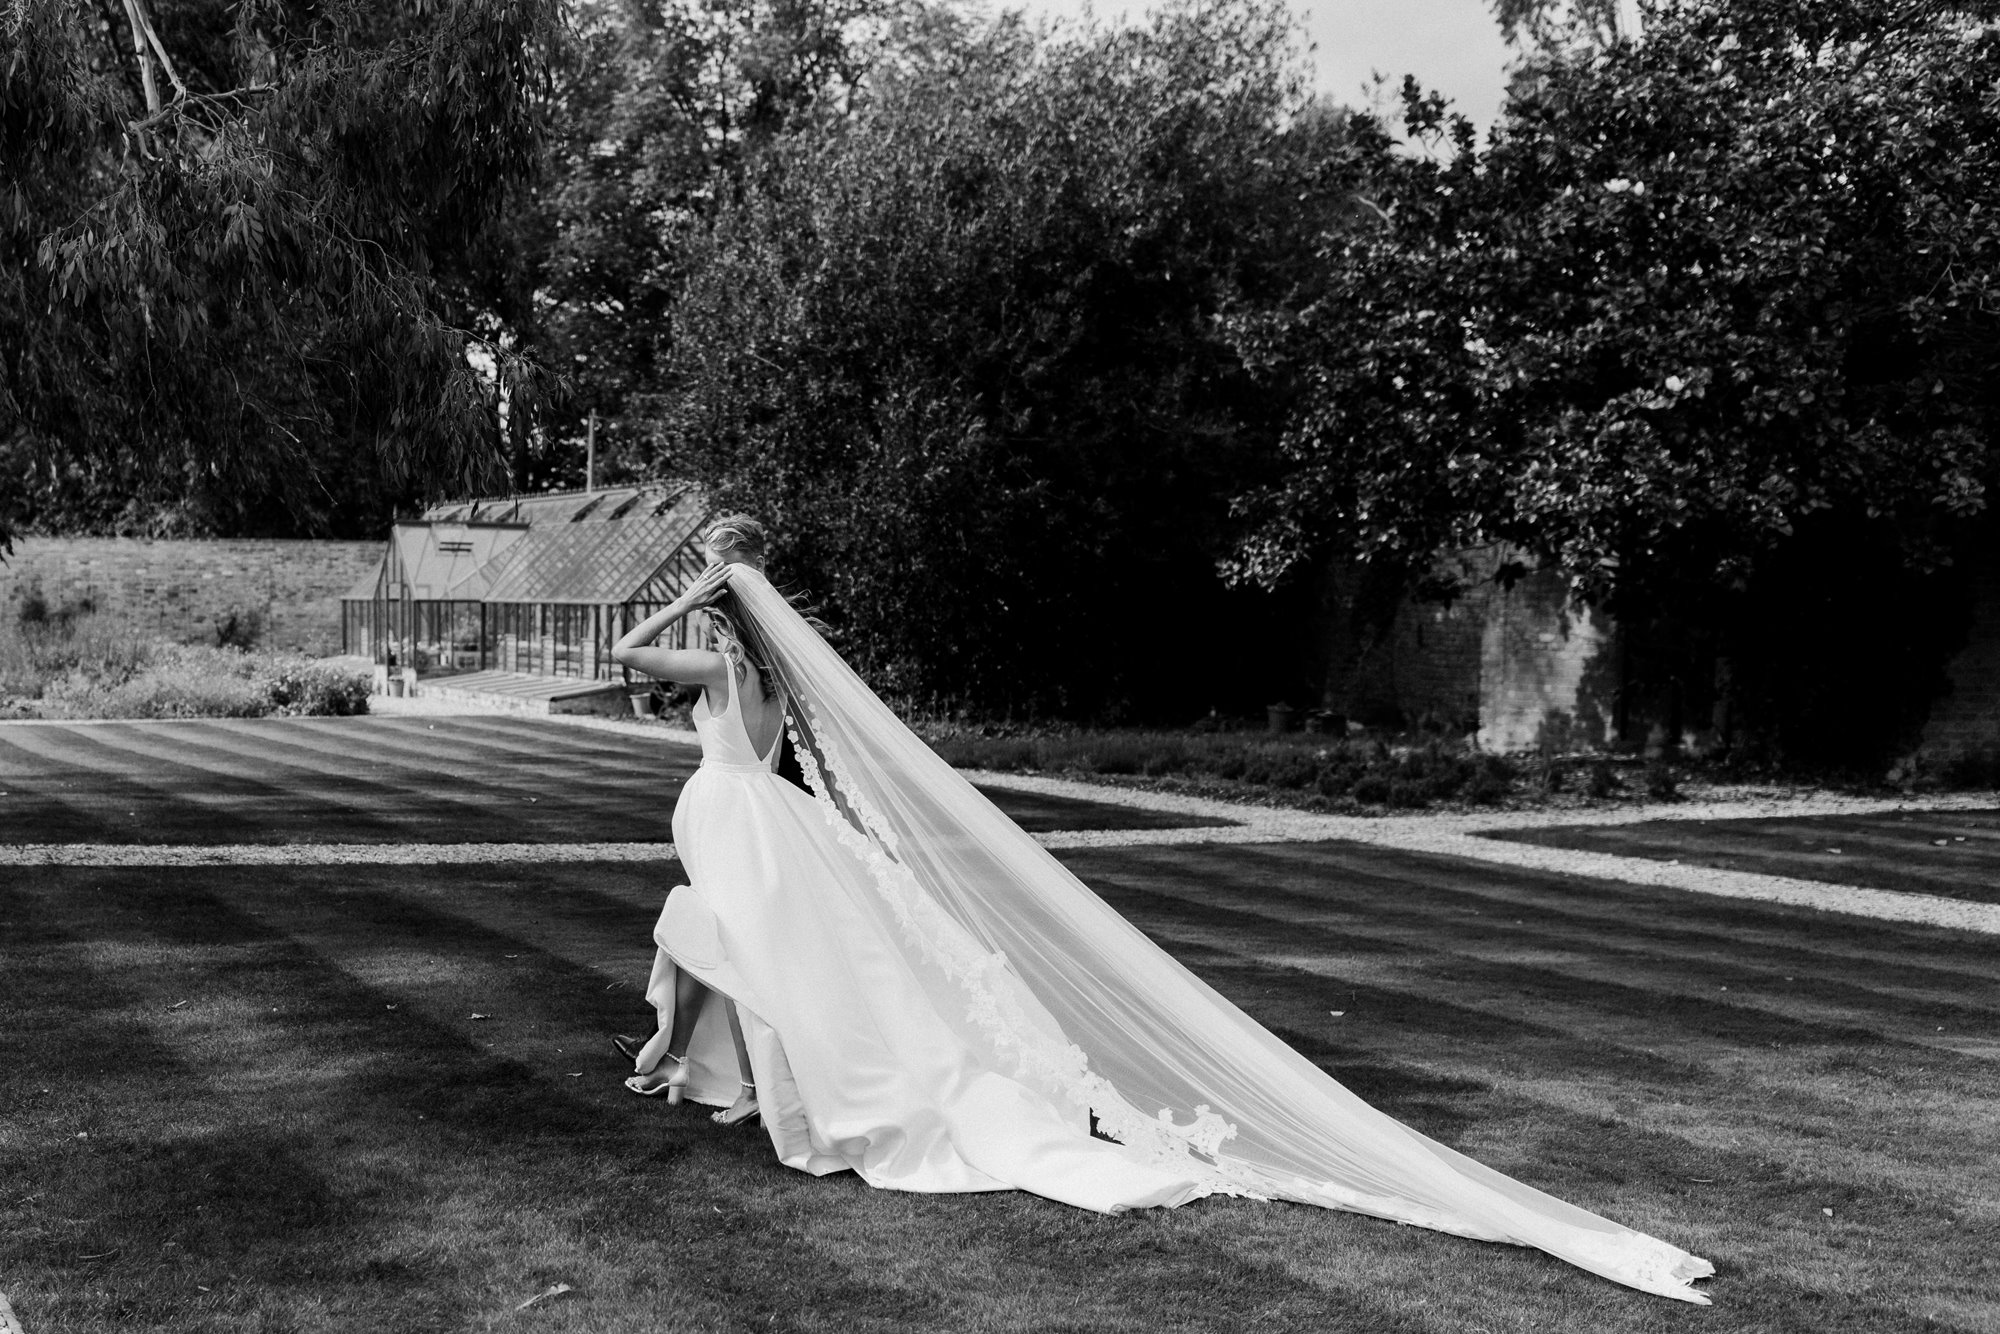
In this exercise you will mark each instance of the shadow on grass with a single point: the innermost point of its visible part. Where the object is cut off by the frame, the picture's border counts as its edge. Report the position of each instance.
(316, 1159)
(1453, 911)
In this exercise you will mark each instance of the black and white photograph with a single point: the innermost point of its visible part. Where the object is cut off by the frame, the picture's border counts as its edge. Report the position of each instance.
(999, 666)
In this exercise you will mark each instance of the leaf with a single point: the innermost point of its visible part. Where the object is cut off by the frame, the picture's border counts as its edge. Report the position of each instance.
(555, 1290)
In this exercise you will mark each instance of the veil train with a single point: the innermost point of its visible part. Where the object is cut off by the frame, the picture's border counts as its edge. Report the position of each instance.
(1062, 992)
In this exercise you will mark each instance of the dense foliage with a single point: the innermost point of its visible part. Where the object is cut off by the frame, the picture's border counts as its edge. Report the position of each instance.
(964, 349)
(658, 108)
(232, 290)
(1710, 324)
(1018, 336)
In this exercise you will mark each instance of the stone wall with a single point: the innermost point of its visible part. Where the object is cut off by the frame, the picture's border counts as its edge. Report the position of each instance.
(1964, 724)
(1425, 668)
(1528, 669)
(1521, 666)
(1548, 672)
(288, 592)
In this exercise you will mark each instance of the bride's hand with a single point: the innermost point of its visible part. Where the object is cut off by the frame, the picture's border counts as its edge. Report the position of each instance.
(708, 586)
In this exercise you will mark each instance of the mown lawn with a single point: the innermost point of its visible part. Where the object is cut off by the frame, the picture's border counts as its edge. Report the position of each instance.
(378, 780)
(1954, 854)
(256, 1099)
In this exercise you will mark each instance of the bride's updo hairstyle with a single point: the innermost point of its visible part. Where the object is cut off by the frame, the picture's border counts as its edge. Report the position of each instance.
(748, 540)
(741, 534)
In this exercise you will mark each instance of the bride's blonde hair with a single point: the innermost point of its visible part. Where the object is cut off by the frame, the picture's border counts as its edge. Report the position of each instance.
(738, 532)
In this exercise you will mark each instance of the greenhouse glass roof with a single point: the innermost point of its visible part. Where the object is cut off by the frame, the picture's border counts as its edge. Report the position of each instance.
(441, 562)
(577, 548)
(616, 503)
(590, 562)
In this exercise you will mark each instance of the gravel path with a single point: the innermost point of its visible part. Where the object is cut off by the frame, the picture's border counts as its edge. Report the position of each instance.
(1459, 836)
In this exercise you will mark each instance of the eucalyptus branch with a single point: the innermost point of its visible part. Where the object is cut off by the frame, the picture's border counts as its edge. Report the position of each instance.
(185, 101)
(144, 22)
(143, 55)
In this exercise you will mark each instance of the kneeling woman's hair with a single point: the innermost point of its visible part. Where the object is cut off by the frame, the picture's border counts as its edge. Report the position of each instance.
(738, 532)
(735, 638)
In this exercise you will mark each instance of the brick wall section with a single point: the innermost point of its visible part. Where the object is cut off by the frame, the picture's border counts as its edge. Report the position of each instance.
(1547, 670)
(1965, 720)
(181, 589)
(1529, 669)
(1523, 667)
(1426, 666)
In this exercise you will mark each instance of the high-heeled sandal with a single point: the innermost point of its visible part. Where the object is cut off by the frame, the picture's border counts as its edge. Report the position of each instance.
(674, 1085)
(723, 1118)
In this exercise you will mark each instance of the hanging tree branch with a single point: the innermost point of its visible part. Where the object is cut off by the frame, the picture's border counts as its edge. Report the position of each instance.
(143, 55)
(193, 101)
(142, 23)
(146, 46)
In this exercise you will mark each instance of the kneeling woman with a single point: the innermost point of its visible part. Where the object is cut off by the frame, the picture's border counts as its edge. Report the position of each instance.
(850, 1060)
(682, 1054)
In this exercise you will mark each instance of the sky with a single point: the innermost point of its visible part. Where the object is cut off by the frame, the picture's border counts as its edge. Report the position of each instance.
(1452, 46)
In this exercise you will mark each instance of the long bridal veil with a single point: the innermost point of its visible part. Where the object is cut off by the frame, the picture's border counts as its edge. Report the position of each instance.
(1061, 991)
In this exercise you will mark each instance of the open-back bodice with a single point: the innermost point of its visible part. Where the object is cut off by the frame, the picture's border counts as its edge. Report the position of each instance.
(725, 736)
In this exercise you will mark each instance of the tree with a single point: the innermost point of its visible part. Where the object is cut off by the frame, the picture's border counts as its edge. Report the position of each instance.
(232, 296)
(964, 347)
(1709, 301)
(658, 109)
(1543, 25)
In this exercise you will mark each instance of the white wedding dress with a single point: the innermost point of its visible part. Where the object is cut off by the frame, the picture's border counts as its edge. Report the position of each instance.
(932, 1000)
(854, 1067)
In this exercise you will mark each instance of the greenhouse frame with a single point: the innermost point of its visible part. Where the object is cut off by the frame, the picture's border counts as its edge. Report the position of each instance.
(539, 585)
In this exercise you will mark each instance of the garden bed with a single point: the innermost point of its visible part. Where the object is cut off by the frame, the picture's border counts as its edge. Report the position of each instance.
(1313, 772)
(76, 666)
(1375, 774)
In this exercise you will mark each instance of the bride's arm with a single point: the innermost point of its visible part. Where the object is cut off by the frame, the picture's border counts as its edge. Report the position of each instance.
(686, 666)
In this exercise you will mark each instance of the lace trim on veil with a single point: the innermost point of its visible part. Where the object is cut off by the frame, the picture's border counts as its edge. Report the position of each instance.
(1194, 1148)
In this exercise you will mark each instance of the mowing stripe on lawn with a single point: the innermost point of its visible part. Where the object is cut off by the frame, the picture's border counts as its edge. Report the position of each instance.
(477, 795)
(1457, 835)
(1460, 836)
(1901, 853)
(1356, 892)
(357, 802)
(645, 756)
(616, 744)
(46, 751)
(1469, 999)
(492, 1130)
(505, 765)
(259, 1130)
(1885, 905)
(1370, 905)
(324, 854)
(1601, 1139)
(1881, 904)
(466, 806)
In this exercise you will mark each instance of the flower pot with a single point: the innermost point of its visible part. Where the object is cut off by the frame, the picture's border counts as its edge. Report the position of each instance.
(1278, 717)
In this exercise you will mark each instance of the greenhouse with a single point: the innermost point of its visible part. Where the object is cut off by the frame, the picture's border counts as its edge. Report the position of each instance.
(539, 585)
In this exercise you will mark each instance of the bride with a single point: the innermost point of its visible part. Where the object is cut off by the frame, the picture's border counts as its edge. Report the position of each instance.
(917, 991)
